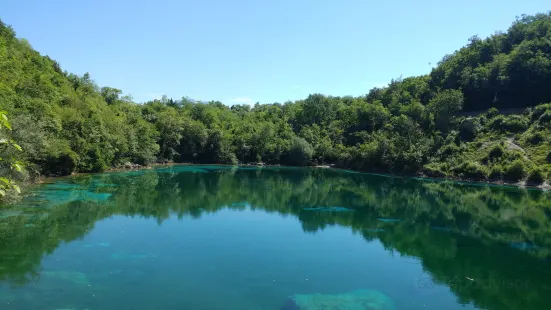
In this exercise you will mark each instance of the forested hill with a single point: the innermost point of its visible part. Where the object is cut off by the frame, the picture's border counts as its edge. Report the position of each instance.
(66, 123)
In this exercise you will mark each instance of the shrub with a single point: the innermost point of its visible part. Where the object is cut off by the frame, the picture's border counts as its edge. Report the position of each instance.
(496, 152)
(515, 123)
(497, 122)
(94, 161)
(540, 110)
(549, 157)
(496, 172)
(512, 155)
(512, 123)
(448, 150)
(59, 160)
(536, 176)
(471, 170)
(434, 170)
(515, 171)
(492, 112)
(545, 118)
(535, 138)
(301, 152)
(63, 164)
(469, 129)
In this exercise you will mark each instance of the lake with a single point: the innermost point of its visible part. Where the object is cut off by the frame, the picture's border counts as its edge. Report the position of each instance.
(274, 238)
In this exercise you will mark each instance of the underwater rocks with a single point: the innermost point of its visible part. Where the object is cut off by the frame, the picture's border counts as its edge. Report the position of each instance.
(373, 230)
(356, 300)
(329, 209)
(70, 276)
(96, 245)
(388, 220)
(132, 256)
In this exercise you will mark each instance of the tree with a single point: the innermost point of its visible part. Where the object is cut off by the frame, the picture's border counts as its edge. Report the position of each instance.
(301, 152)
(444, 105)
(110, 95)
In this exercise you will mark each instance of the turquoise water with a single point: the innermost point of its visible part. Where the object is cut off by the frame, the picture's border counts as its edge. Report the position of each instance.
(215, 237)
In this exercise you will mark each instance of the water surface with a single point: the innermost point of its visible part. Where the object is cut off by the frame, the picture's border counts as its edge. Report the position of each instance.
(215, 237)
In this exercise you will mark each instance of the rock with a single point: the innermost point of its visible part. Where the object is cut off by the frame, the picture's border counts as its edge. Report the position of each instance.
(74, 277)
(356, 300)
(388, 220)
(329, 209)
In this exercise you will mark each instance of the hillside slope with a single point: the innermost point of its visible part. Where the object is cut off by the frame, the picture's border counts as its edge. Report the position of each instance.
(446, 123)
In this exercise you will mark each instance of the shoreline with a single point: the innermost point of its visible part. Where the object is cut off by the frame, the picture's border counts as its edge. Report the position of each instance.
(543, 187)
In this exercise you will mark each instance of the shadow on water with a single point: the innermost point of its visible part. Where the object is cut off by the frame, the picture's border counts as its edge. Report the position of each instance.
(489, 245)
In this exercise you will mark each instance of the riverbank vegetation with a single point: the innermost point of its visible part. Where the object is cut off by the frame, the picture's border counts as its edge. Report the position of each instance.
(484, 113)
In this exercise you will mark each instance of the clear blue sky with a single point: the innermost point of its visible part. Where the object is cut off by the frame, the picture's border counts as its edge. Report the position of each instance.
(257, 50)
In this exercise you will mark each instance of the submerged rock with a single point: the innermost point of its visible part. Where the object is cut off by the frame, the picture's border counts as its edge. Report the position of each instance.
(388, 220)
(132, 256)
(94, 245)
(374, 230)
(329, 209)
(356, 300)
(74, 277)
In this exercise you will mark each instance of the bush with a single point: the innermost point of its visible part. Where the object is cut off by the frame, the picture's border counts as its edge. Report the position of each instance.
(496, 152)
(59, 161)
(512, 123)
(448, 150)
(64, 164)
(535, 138)
(512, 155)
(492, 112)
(549, 157)
(434, 170)
(515, 123)
(536, 176)
(540, 110)
(515, 171)
(545, 118)
(496, 173)
(301, 152)
(469, 129)
(93, 161)
(471, 170)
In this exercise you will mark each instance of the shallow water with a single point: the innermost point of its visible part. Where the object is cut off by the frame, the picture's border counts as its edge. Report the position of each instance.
(215, 237)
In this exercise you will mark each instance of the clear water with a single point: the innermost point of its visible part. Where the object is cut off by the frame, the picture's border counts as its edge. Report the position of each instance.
(214, 237)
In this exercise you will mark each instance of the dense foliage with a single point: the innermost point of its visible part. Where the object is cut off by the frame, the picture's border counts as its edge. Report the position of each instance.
(482, 113)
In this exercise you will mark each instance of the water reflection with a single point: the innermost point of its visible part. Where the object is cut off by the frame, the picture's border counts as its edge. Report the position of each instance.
(489, 245)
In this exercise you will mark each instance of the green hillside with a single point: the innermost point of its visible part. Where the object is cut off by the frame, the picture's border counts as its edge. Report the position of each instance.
(454, 122)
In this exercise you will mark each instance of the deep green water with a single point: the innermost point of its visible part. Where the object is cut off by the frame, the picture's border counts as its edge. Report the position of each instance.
(212, 237)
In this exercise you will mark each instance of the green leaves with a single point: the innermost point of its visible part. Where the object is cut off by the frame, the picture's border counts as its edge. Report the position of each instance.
(5, 182)
(4, 120)
(17, 167)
